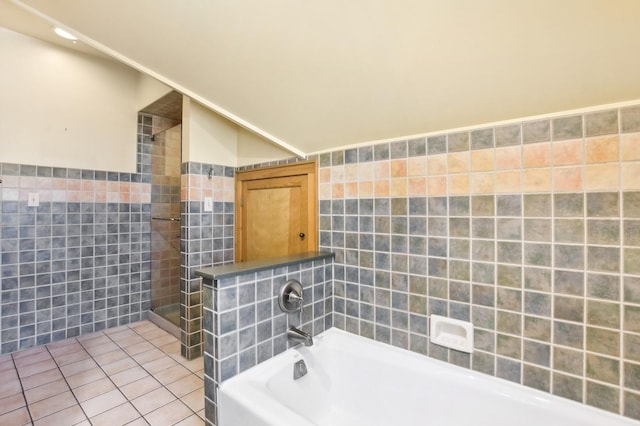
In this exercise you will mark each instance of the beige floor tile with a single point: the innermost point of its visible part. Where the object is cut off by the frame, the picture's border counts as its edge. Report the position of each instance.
(37, 368)
(110, 357)
(143, 326)
(61, 343)
(153, 400)
(78, 367)
(127, 376)
(192, 420)
(201, 414)
(127, 341)
(8, 364)
(104, 348)
(140, 421)
(148, 356)
(194, 400)
(140, 387)
(163, 340)
(46, 391)
(93, 339)
(159, 364)
(119, 365)
(194, 365)
(70, 358)
(5, 358)
(83, 423)
(9, 376)
(60, 351)
(153, 333)
(17, 417)
(169, 414)
(32, 359)
(171, 374)
(28, 352)
(51, 405)
(171, 348)
(10, 388)
(69, 416)
(185, 385)
(41, 379)
(119, 415)
(138, 347)
(11, 403)
(93, 389)
(117, 330)
(102, 403)
(85, 377)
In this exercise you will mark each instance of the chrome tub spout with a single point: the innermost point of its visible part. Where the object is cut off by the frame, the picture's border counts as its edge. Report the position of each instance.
(295, 335)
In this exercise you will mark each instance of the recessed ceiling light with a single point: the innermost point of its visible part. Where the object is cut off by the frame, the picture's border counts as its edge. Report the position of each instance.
(64, 34)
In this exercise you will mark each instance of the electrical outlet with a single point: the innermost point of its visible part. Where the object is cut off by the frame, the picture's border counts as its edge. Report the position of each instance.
(33, 200)
(208, 204)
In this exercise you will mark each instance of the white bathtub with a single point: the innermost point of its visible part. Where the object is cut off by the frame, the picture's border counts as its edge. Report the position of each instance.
(355, 381)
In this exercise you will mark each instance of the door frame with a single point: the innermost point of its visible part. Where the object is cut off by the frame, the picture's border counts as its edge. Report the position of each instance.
(308, 168)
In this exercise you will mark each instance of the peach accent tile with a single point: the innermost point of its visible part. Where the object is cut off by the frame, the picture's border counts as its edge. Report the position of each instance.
(418, 186)
(350, 172)
(399, 187)
(602, 177)
(351, 190)
(46, 391)
(568, 152)
(509, 157)
(169, 414)
(458, 162)
(381, 170)
(438, 185)
(11, 403)
(536, 155)
(75, 196)
(51, 405)
(140, 387)
(324, 191)
(398, 168)
(536, 180)
(101, 197)
(121, 414)
(630, 146)
(567, 179)
(93, 389)
(437, 164)
(337, 190)
(58, 183)
(46, 182)
(382, 188)
(631, 175)
(125, 187)
(459, 184)
(417, 166)
(14, 182)
(337, 174)
(102, 403)
(87, 197)
(482, 183)
(153, 400)
(76, 185)
(365, 189)
(365, 171)
(185, 386)
(87, 185)
(195, 181)
(602, 150)
(482, 160)
(194, 194)
(216, 183)
(16, 417)
(69, 416)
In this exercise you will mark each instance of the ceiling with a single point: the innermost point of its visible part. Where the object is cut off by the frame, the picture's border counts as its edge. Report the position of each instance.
(315, 75)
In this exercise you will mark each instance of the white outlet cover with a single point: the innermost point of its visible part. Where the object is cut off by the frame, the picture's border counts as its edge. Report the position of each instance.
(208, 204)
(33, 200)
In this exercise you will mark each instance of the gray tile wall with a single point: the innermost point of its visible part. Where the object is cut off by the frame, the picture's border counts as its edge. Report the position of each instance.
(244, 326)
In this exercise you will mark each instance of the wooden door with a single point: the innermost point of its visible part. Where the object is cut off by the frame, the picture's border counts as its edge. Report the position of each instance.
(277, 211)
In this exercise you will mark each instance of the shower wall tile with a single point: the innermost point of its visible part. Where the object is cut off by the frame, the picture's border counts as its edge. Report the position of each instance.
(533, 240)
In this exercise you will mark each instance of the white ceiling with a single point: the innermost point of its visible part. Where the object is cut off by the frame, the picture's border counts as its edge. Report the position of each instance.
(317, 74)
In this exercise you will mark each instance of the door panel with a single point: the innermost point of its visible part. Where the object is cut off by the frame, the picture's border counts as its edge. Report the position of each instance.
(276, 213)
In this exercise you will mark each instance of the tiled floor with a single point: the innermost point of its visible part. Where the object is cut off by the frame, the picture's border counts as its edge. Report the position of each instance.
(131, 375)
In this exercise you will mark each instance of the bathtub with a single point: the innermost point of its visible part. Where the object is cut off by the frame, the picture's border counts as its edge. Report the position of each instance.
(355, 381)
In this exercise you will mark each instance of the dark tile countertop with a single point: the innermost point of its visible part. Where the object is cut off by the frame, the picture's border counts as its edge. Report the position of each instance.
(226, 271)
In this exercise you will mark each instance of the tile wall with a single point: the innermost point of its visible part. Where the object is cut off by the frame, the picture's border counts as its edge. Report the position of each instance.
(207, 240)
(244, 326)
(529, 230)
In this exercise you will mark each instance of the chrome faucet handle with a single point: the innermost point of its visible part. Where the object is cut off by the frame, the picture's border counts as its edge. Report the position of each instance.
(290, 297)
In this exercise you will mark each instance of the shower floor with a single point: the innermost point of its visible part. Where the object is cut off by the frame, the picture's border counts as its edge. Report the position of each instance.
(169, 312)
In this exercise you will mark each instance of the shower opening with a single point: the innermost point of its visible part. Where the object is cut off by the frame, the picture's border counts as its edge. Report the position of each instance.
(166, 159)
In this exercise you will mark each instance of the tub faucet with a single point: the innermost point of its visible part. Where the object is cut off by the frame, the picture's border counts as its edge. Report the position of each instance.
(295, 335)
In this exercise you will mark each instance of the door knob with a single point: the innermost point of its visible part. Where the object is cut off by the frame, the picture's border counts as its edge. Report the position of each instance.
(301, 235)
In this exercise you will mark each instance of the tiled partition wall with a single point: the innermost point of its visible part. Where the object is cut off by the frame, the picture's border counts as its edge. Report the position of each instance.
(77, 263)
(207, 240)
(244, 326)
(529, 230)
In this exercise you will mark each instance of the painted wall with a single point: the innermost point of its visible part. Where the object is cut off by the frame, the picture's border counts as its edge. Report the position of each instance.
(67, 109)
(530, 230)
